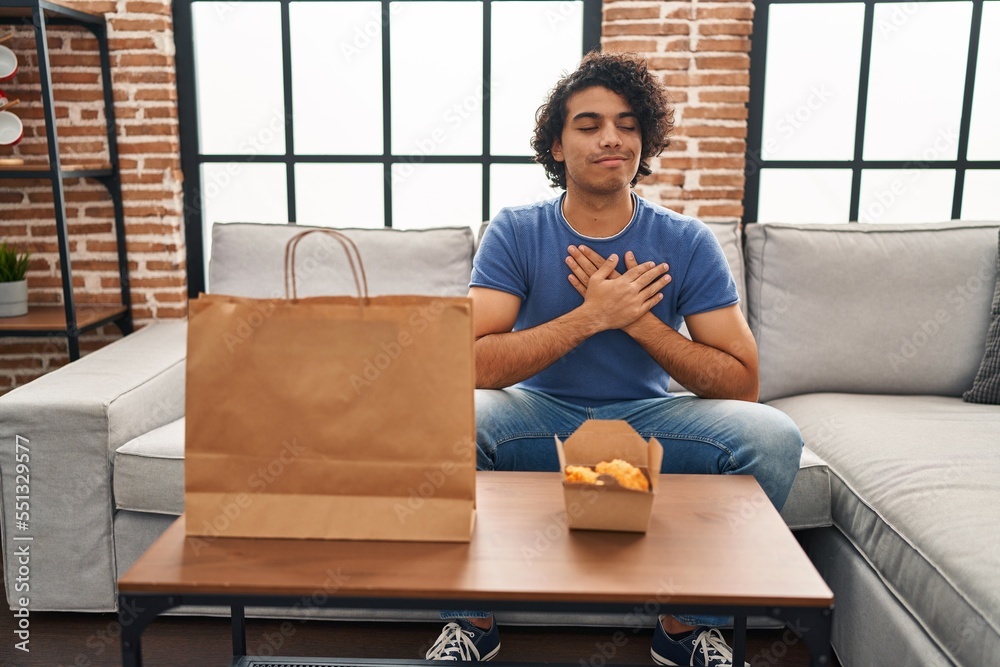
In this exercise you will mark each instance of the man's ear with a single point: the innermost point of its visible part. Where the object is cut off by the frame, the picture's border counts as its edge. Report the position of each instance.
(557, 152)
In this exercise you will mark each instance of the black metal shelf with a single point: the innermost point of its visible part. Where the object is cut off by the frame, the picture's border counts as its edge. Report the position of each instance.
(73, 320)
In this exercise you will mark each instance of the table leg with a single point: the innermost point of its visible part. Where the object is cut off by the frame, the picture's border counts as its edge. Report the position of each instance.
(134, 614)
(239, 631)
(813, 627)
(739, 639)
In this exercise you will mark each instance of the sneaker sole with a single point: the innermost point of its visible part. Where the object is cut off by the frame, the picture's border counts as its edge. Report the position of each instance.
(489, 656)
(660, 660)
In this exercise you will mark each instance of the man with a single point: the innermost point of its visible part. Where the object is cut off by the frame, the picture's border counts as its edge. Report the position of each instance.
(577, 302)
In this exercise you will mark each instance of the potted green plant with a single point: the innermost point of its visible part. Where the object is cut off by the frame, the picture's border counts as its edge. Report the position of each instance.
(13, 285)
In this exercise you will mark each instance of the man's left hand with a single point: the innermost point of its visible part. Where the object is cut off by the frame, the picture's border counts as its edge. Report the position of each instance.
(583, 262)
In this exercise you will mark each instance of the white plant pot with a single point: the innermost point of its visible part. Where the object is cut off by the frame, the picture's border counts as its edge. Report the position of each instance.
(14, 299)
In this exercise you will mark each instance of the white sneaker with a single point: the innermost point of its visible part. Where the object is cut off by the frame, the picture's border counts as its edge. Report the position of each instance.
(461, 640)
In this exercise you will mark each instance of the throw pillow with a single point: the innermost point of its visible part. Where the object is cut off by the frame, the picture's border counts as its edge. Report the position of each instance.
(986, 386)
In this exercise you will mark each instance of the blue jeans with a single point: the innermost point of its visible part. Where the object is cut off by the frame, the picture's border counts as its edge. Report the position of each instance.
(514, 429)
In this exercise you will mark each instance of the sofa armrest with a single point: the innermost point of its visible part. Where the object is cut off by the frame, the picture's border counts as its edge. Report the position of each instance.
(71, 421)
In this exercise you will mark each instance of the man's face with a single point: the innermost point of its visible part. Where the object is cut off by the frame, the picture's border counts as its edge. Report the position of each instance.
(601, 142)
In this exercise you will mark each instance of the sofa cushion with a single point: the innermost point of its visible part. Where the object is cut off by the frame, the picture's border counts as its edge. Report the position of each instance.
(149, 471)
(986, 386)
(248, 259)
(149, 477)
(881, 309)
(914, 483)
(808, 503)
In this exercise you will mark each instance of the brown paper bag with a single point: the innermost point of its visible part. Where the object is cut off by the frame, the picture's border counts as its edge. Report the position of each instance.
(330, 417)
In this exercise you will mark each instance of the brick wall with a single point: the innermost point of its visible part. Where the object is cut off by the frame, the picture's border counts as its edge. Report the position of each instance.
(145, 95)
(699, 48)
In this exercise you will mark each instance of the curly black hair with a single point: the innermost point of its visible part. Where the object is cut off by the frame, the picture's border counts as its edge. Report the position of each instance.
(622, 73)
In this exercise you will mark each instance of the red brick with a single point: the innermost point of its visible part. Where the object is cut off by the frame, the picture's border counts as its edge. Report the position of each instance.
(171, 312)
(692, 130)
(150, 129)
(628, 45)
(156, 229)
(97, 7)
(83, 228)
(678, 44)
(156, 94)
(734, 45)
(148, 8)
(723, 62)
(685, 12)
(721, 210)
(669, 62)
(695, 79)
(154, 265)
(723, 146)
(80, 94)
(647, 28)
(75, 77)
(726, 28)
(10, 363)
(74, 60)
(722, 180)
(146, 147)
(160, 112)
(720, 111)
(160, 281)
(86, 44)
(130, 44)
(735, 195)
(138, 60)
(624, 13)
(144, 76)
(141, 25)
(745, 12)
(736, 95)
(665, 177)
(162, 162)
(171, 297)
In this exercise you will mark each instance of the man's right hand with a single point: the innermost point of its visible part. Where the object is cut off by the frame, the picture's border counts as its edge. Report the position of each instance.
(616, 301)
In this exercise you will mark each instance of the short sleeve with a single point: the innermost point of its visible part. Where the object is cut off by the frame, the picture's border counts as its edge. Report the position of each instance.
(708, 282)
(498, 263)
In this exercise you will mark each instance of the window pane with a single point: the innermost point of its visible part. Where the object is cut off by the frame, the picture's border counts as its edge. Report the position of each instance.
(517, 184)
(804, 195)
(436, 195)
(906, 195)
(984, 132)
(919, 55)
(811, 89)
(241, 192)
(981, 195)
(521, 77)
(339, 195)
(241, 107)
(437, 78)
(337, 56)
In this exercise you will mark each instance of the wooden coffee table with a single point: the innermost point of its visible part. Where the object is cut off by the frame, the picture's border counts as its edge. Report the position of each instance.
(715, 545)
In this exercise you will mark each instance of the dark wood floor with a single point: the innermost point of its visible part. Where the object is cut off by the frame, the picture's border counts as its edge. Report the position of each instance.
(92, 640)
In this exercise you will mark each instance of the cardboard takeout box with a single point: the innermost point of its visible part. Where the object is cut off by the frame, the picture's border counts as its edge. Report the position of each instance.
(609, 506)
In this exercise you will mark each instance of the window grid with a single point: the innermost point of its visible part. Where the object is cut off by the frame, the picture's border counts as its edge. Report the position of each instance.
(192, 159)
(755, 129)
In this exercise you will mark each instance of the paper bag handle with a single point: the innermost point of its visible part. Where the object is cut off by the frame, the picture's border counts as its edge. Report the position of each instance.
(361, 284)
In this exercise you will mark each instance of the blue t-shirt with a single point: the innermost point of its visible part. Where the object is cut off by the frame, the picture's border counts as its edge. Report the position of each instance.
(523, 252)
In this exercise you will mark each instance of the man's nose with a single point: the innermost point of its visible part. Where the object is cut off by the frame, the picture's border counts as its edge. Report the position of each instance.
(610, 136)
